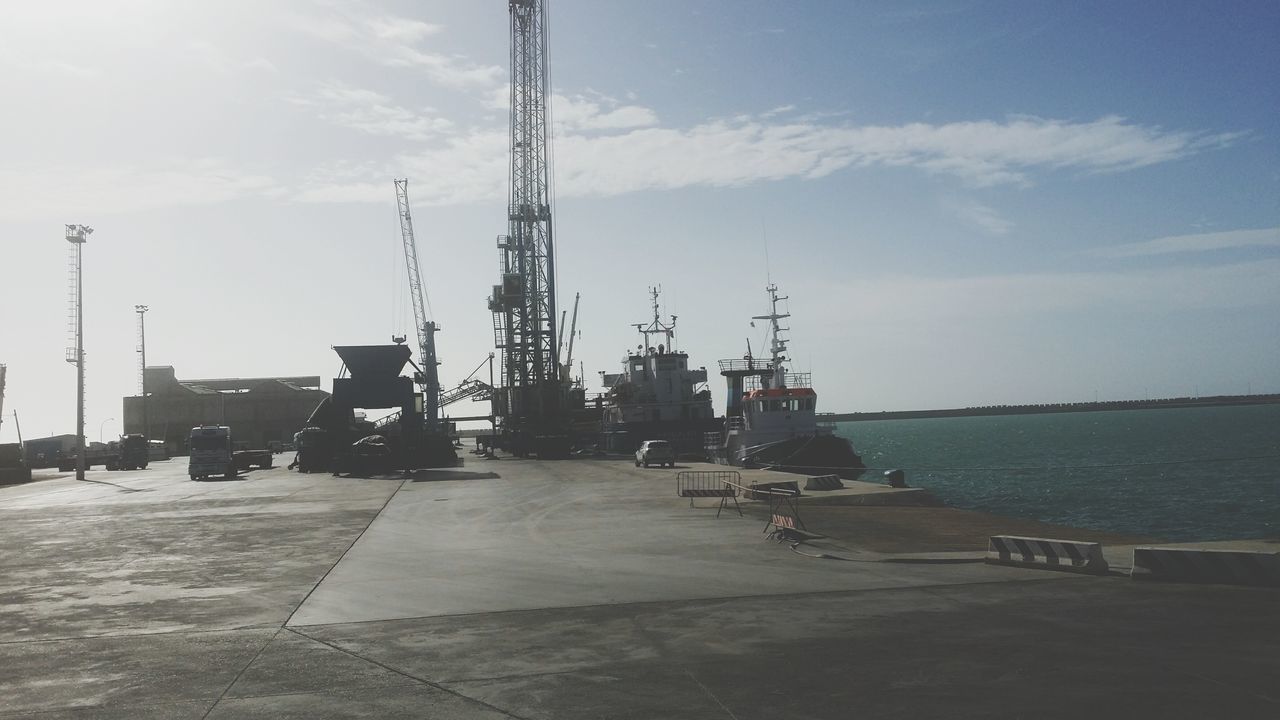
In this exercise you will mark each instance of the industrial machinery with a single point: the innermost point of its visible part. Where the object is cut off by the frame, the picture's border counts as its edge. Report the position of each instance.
(531, 403)
(338, 440)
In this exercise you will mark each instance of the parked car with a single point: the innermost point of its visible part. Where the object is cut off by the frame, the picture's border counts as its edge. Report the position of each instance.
(655, 452)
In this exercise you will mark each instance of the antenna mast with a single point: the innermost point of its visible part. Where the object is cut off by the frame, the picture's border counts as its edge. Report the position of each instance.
(657, 327)
(777, 343)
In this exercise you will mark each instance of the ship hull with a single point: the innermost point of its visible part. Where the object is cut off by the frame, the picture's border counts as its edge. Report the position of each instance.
(686, 436)
(803, 455)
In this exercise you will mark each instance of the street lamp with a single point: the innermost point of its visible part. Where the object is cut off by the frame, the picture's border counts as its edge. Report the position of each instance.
(104, 422)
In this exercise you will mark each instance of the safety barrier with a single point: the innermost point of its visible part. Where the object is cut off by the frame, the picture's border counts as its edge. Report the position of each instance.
(723, 484)
(1070, 555)
(784, 514)
(824, 482)
(1230, 567)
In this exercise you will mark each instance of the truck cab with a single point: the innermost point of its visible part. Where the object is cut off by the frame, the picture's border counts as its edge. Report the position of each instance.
(133, 452)
(211, 452)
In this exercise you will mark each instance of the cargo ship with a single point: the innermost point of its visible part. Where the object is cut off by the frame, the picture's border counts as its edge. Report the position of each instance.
(658, 395)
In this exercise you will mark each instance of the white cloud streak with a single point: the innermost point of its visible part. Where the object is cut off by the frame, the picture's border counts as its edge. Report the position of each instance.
(981, 216)
(905, 299)
(1201, 242)
(49, 191)
(373, 113)
(397, 42)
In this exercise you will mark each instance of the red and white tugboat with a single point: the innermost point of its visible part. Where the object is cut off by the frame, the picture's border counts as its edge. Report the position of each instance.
(771, 418)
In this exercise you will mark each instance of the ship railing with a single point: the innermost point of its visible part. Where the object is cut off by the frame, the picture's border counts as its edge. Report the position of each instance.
(734, 422)
(745, 365)
(792, 380)
(826, 423)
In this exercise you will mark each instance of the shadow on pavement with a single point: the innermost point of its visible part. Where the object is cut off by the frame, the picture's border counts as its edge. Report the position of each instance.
(449, 474)
(123, 488)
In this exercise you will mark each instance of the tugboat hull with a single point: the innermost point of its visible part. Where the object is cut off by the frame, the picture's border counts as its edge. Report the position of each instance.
(805, 455)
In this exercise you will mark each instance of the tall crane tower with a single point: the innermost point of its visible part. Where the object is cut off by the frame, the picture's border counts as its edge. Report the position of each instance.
(430, 379)
(531, 403)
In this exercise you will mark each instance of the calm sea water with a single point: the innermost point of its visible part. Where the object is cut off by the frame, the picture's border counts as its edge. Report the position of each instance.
(1046, 467)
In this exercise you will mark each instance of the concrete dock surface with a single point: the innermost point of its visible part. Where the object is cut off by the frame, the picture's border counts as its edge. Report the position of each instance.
(577, 589)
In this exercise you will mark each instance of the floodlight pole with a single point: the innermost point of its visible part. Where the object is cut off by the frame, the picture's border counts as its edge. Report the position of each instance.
(142, 366)
(77, 235)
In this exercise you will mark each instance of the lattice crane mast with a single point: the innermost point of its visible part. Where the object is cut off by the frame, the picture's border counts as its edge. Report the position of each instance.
(429, 378)
(532, 402)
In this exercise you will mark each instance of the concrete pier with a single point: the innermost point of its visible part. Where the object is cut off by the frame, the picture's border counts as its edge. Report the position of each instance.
(576, 589)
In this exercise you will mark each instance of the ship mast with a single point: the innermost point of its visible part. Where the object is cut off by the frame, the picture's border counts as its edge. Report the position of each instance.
(777, 343)
(657, 327)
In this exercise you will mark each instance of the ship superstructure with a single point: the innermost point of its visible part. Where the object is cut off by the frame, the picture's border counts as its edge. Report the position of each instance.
(658, 395)
(771, 417)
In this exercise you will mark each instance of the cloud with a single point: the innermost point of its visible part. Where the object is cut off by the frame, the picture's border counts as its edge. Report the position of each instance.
(979, 215)
(220, 61)
(395, 41)
(50, 190)
(908, 299)
(582, 113)
(467, 168)
(373, 113)
(597, 154)
(737, 152)
(585, 111)
(1202, 242)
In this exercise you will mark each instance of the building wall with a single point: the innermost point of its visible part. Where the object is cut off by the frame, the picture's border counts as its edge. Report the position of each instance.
(258, 410)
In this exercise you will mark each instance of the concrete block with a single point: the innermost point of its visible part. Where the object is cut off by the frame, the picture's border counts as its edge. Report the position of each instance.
(1085, 557)
(824, 482)
(1232, 567)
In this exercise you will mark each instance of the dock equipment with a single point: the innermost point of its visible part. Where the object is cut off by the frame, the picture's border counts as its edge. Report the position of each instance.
(375, 383)
(531, 402)
(428, 376)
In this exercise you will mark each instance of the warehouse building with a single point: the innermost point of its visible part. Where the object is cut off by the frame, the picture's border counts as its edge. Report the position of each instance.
(258, 410)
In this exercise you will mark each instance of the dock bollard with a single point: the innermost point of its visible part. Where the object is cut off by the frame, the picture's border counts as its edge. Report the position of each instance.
(895, 478)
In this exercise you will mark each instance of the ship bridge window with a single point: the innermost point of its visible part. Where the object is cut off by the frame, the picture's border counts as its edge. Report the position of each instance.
(637, 366)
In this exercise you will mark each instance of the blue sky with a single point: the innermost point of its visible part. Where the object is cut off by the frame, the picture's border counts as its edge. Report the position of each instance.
(968, 203)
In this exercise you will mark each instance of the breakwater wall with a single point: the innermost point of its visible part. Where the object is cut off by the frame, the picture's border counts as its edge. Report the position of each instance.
(986, 410)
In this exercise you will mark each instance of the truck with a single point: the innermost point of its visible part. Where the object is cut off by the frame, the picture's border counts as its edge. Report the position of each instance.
(132, 452)
(211, 452)
(13, 469)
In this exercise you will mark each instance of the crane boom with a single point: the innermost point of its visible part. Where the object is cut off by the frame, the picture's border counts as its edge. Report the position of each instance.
(426, 329)
(573, 328)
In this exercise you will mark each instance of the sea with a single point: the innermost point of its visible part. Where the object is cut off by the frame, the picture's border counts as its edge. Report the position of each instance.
(1180, 475)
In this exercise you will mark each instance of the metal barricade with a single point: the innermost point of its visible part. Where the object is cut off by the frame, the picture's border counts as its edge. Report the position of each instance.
(723, 484)
(784, 511)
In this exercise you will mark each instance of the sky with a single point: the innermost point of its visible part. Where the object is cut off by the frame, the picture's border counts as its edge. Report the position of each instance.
(966, 203)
